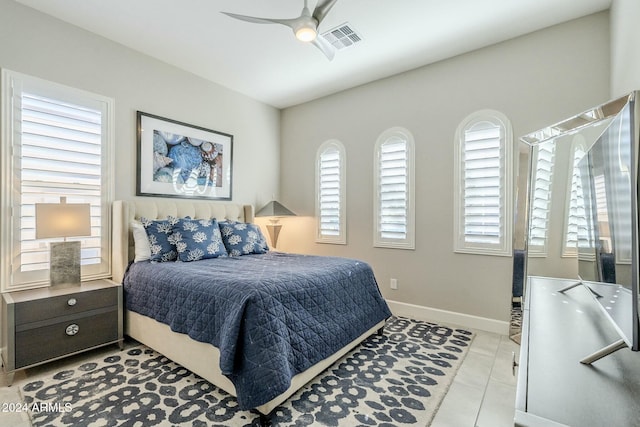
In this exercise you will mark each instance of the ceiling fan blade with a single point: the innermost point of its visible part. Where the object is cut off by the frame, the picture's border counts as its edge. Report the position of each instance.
(256, 20)
(322, 9)
(306, 20)
(325, 47)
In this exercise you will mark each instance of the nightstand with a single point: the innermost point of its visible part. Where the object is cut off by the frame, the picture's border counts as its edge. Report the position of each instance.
(41, 325)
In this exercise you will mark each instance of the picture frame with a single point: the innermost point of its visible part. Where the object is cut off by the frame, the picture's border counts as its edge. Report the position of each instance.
(177, 159)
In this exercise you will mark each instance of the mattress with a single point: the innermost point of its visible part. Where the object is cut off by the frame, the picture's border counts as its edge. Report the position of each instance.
(271, 315)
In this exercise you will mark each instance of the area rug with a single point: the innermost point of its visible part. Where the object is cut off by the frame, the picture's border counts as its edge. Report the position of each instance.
(395, 379)
(515, 327)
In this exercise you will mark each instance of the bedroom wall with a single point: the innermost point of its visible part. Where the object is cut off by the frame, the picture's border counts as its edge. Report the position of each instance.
(39, 45)
(625, 47)
(535, 80)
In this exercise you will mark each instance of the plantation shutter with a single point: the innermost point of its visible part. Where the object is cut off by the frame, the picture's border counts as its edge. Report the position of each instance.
(541, 202)
(393, 190)
(483, 200)
(576, 217)
(392, 218)
(330, 194)
(59, 150)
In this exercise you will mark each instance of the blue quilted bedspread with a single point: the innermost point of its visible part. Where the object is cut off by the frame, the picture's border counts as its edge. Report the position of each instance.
(271, 316)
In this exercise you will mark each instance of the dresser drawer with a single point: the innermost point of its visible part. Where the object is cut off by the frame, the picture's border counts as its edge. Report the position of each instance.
(48, 342)
(48, 308)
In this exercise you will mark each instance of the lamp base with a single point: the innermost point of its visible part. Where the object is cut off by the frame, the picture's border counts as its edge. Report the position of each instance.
(64, 266)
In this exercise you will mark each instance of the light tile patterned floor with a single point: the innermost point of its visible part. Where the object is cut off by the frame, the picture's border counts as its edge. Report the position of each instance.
(481, 395)
(483, 392)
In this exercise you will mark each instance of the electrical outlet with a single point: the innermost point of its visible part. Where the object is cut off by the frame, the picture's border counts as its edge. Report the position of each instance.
(394, 283)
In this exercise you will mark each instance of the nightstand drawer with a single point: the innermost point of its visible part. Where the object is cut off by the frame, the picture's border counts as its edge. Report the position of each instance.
(48, 342)
(48, 308)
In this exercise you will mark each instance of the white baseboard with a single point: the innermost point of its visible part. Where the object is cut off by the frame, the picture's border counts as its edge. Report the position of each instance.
(419, 312)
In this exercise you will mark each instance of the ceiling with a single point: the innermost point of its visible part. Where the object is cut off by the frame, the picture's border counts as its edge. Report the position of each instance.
(267, 63)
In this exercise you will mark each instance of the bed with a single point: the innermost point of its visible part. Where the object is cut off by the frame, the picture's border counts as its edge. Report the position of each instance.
(258, 326)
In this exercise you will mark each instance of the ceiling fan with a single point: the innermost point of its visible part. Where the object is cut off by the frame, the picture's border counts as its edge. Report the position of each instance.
(305, 27)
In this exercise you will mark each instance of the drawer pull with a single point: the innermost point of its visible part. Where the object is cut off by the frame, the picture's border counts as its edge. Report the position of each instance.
(72, 302)
(72, 329)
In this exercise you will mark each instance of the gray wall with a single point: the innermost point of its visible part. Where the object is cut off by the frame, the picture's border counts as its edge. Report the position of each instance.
(535, 80)
(625, 47)
(38, 45)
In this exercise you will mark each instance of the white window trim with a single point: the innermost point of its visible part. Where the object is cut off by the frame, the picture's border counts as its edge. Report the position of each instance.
(378, 240)
(340, 239)
(11, 128)
(459, 245)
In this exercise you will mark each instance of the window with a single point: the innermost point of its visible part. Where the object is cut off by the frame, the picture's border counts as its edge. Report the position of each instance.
(575, 220)
(330, 193)
(541, 201)
(483, 181)
(56, 143)
(393, 192)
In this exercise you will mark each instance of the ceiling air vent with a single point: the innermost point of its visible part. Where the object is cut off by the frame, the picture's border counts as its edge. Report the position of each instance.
(342, 36)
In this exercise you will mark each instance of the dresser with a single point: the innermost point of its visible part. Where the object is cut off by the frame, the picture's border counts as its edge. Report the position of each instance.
(40, 325)
(554, 388)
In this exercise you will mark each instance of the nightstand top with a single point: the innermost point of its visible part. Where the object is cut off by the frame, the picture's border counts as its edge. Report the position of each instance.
(53, 291)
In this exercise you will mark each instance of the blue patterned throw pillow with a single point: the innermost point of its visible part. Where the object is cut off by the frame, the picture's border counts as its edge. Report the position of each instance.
(161, 240)
(198, 239)
(241, 238)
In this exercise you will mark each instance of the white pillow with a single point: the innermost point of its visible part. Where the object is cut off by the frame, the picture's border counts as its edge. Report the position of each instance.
(140, 242)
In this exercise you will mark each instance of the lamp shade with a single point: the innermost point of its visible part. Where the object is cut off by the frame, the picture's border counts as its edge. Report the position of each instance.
(62, 219)
(274, 208)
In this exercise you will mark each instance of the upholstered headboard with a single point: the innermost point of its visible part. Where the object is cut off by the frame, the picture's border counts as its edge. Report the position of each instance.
(125, 211)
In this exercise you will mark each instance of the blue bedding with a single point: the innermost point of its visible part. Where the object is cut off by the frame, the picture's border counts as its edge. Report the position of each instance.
(271, 316)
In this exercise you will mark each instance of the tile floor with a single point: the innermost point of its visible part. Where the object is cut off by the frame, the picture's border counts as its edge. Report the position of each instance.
(482, 394)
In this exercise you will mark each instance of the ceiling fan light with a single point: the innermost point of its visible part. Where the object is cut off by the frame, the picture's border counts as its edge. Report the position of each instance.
(306, 34)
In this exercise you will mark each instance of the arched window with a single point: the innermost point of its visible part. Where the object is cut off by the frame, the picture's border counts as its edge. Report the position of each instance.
(394, 212)
(330, 193)
(483, 184)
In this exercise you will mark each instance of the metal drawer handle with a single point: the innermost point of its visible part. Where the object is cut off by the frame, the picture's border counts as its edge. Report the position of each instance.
(72, 329)
(72, 302)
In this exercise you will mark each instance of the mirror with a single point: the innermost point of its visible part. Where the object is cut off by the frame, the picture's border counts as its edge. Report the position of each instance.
(604, 241)
(579, 219)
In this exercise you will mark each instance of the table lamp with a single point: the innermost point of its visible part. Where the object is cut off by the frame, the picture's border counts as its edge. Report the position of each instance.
(275, 211)
(55, 220)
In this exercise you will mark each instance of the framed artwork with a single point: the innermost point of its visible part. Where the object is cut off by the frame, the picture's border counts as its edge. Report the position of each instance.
(177, 159)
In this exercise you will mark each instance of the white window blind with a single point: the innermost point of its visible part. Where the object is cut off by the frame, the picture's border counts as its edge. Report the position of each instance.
(483, 202)
(541, 201)
(59, 149)
(584, 236)
(61, 157)
(330, 193)
(576, 221)
(483, 181)
(394, 184)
